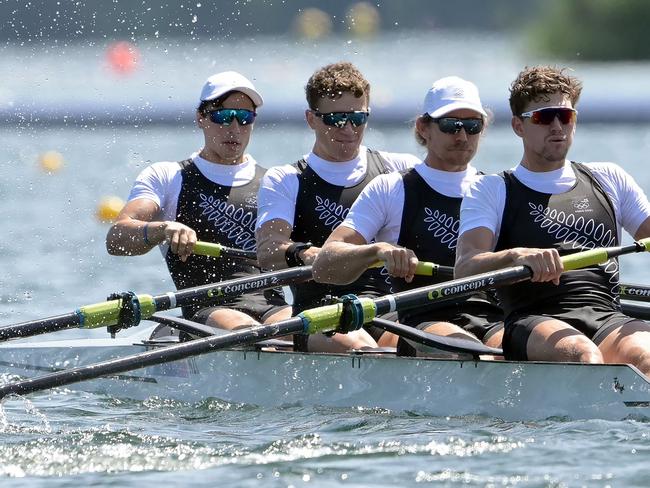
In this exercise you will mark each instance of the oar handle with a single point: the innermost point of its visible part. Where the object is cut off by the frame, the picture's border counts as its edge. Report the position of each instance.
(207, 249)
(425, 268)
(217, 250)
(584, 258)
(600, 255)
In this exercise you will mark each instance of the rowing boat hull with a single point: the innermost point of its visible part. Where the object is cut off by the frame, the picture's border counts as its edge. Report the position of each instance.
(438, 387)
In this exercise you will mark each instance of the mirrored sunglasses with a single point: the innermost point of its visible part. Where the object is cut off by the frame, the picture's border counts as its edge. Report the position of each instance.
(339, 119)
(225, 116)
(453, 125)
(545, 116)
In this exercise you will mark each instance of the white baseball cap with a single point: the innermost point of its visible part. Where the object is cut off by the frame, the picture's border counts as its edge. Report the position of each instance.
(449, 94)
(228, 81)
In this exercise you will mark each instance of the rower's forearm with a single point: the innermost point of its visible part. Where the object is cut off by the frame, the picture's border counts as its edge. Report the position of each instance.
(271, 254)
(341, 263)
(482, 263)
(129, 238)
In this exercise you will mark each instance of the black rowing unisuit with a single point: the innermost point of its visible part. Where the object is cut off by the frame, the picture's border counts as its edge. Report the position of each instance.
(580, 218)
(429, 227)
(219, 214)
(320, 208)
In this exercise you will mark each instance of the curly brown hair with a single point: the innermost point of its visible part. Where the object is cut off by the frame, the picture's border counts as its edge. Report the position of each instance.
(535, 83)
(333, 80)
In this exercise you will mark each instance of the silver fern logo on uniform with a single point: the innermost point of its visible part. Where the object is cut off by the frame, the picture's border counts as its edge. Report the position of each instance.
(572, 230)
(330, 213)
(236, 224)
(581, 205)
(443, 227)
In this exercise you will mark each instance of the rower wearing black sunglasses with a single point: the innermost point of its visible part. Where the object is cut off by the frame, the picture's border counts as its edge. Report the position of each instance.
(210, 196)
(402, 217)
(300, 203)
(548, 206)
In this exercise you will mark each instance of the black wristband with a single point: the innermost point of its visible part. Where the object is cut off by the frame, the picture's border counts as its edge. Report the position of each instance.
(291, 255)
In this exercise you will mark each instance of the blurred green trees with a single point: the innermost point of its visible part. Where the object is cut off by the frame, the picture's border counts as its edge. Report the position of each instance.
(595, 30)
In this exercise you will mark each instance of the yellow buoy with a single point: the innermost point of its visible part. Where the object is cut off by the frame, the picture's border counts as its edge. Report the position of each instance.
(313, 23)
(109, 208)
(51, 161)
(363, 19)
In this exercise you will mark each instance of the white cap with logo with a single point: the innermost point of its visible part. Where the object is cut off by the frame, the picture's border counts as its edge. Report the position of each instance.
(227, 81)
(449, 94)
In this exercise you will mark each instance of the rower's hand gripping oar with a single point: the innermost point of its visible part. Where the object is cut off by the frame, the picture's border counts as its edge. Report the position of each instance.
(108, 313)
(425, 268)
(351, 313)
(630, 292)
(218, 251)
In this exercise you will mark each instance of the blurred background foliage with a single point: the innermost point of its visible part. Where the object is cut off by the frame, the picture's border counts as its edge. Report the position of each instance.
(568, 29)
(594, 30)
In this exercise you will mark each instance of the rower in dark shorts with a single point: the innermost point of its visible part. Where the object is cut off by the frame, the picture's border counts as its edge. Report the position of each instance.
(300, 203)
(211, 196)
(545, 207)
(413, 215)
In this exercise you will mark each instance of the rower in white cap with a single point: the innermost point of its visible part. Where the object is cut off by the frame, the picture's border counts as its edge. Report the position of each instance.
(211, 196)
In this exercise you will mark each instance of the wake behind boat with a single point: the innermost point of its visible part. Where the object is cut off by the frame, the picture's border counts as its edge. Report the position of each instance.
(272, 377)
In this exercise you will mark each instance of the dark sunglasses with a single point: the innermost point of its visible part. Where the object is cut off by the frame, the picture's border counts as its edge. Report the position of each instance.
(225, 116)
(453, 125)
(339, 119)
(546, 116)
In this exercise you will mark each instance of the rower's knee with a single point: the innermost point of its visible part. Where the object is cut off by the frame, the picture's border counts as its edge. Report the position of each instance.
(358, 339)
(579, 349)
(638, 356)
(230, 319)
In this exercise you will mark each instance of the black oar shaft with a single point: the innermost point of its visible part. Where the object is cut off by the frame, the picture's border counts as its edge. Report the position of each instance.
(636, 310)
(106, 313)
(639, 293)
(231, 288)
(451, 344)
(188, 326)
(151, 358)
(322, 319)
(34, 327)
(450, 289)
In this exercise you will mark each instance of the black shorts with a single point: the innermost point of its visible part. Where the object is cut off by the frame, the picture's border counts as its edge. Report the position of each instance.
(594, 322)
(260, 305)
(476, 317)
(404, 348)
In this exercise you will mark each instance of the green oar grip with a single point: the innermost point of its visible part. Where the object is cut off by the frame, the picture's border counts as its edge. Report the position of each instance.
(426, 269)
(108, 313)
(422, 268)
(207, 249)
(327, 318)
(645, 243)
(584, 259)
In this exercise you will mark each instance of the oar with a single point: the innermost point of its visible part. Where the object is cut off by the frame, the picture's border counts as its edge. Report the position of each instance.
(217, 250)
(451, 344)
(425, 268)
(636, 310)
(350, 314)
(108, 313)
(639, 293)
